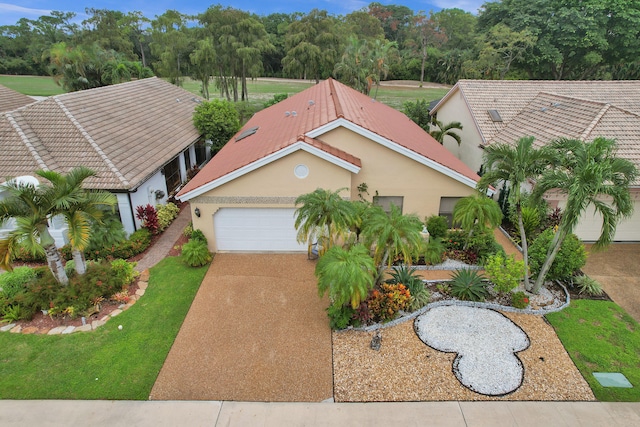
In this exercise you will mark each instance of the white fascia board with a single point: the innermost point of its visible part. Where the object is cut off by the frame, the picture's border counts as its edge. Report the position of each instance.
(394, 147)
(300, 145)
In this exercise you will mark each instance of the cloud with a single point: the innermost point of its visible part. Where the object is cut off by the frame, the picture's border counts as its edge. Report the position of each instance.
(466, 5)
(12, 8)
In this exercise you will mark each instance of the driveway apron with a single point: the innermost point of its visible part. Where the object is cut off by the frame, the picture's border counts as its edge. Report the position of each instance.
(256, 331)
(617, 268)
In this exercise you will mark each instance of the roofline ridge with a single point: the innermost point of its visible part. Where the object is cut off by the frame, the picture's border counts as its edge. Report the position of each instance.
(594, 122)
(26, 141)
(92, 142)
(334, 97)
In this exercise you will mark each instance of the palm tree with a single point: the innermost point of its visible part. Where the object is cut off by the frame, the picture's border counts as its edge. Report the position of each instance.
(514, 165)
(324, 216)
(78, 207)
(476, 211)
(589, 173)
(393, 234)
(445, 130)
(346, 274)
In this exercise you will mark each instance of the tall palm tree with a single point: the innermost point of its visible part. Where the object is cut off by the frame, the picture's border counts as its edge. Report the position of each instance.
(445, 130)
(514, 165)
(393, 234)
(589, 173)
(476, 211)
(323, 216)
(346, 274)
(79, 207)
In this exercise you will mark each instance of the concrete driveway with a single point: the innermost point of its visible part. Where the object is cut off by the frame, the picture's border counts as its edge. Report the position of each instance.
(618, 270)
(256, 331)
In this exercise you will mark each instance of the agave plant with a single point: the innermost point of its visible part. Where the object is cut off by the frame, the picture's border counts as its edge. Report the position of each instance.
(468, 285)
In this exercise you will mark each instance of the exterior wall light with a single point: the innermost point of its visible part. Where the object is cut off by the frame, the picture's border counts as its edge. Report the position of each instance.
(197, 212)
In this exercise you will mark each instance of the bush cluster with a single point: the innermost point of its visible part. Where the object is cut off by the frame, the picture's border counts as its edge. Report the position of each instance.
(384, 304)
(570, 258)
(196, 252)
(166, 214)
(519, 300)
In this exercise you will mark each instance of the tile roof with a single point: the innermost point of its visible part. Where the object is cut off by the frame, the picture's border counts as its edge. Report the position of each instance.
(124, 132)
(549, 117)
(310, 113)
(10, 99)
(509, 97)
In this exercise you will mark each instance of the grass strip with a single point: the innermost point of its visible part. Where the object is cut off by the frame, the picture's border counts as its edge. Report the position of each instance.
(32, 85)
(601, 337)
(107, 363)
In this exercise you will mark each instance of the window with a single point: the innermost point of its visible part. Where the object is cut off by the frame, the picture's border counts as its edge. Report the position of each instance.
(201, 152)
(446, 208)
(385, 202)
(172, 174)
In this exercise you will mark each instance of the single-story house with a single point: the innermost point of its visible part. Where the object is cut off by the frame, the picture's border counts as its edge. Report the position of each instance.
(137, 136)
(328, 136)
(504, 111)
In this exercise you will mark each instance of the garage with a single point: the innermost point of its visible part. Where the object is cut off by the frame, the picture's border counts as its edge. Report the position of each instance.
(256, 229)
(590, 226)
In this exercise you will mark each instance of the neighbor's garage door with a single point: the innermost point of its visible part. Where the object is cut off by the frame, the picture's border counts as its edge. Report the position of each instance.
(628, 230)
(256, 229)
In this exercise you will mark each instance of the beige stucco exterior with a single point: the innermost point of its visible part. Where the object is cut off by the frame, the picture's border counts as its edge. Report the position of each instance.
(455, 109)
(384, 171)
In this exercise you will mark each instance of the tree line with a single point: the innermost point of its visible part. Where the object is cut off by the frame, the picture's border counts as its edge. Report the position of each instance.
(514, 39)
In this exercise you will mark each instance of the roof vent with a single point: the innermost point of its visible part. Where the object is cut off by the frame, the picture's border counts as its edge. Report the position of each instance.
(287, 114)
(495, 116)
(247, 133)
(293, 113)
(311, 102)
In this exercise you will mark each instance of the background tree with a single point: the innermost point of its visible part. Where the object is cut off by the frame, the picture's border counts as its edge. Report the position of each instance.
(514, 166)
(170, 44)
(217, 120)
(425, 33)
(203, 60)
(323, 217)
(418, 112)
(589, 174)
(501, 48)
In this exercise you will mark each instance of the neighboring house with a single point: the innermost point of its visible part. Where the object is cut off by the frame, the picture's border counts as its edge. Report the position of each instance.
(328, 136)
(137, 136)
(11, 100)
(504, 111)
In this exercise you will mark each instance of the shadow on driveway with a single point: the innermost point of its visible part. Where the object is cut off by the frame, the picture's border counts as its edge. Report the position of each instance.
(256, 331)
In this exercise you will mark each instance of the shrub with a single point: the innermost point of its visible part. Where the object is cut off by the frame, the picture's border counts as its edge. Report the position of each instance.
(455, 240)
(105, 234)
(198, 235)
(484, 244)
(468, 285)
(23, 255)
(339, 315)
(13, 313)
(504, 272)
(407, 276)
(385, 303)
(467, 256)
(149, 218)
(570, 258)
(437, 226)
(519, 300)
(587, 285)
(70, 267)
(196, 253)
(362, 315)
(166, 214)
(188, 230)
(123, 271)
(433, 251)
(16, 281)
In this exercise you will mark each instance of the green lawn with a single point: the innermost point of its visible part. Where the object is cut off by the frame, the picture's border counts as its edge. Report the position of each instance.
(32, 85)
(601, 337)
(107, 363)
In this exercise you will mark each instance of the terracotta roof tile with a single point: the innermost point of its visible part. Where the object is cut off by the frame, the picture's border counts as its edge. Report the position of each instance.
(283, 124)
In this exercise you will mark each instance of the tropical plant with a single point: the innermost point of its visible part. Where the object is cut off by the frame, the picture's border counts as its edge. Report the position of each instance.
(339, 316)
(444, 130)
(195, 253)
(323, 217)
(468, 285)
(519, 300)
(514, 165)
(149, 217)
(570, 258)
(476, 212)
(437, 226)
(384, 304)
(347, 275)
(33, 206)
(433, 251)
(166, 214)
(587, 285)
(590, 174)
(407, 276)
(393, 235)
(123, 271)
(418, 112)
(15, 281)
(217, 120)
(504, 272)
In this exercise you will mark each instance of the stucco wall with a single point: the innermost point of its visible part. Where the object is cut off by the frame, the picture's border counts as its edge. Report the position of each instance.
(455, 110)
(274, 185)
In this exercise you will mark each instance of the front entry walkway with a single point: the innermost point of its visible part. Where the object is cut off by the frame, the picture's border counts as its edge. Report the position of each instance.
(256, 331)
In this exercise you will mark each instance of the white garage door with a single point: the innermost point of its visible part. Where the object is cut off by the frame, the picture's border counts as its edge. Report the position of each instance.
(256, 229)
(627, 230)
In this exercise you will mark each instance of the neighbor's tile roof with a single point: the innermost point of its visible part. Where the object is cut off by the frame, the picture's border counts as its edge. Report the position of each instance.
(291, 120)
(10, 99)
(124, 132)
(509, 97)
(548, 117)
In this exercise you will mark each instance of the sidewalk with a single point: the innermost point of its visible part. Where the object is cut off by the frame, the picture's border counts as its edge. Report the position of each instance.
(214, 413)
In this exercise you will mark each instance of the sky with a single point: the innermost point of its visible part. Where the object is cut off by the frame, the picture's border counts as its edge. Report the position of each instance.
(12, 10)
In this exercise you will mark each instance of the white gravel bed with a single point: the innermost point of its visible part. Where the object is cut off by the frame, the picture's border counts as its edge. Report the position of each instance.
(485, 343)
